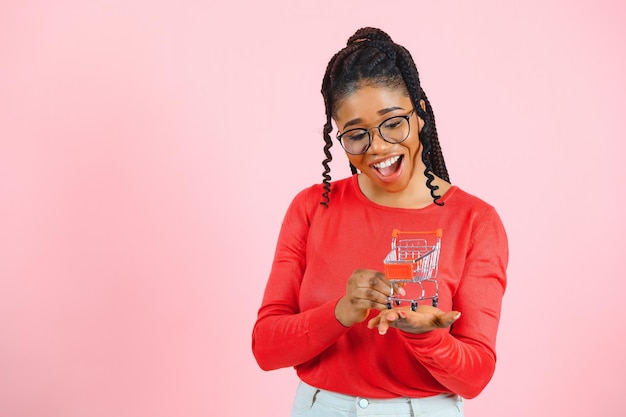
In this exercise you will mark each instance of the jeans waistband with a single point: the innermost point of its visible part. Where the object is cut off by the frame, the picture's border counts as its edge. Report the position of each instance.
(415, 406)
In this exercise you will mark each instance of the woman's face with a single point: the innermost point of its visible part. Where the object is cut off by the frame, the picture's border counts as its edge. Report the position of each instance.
(388, 166)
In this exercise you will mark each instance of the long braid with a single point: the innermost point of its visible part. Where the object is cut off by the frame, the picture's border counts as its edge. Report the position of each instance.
(371, 56)
(329, 157)
(328, 127)
(431, 152)
(411, 80)
(436, 155)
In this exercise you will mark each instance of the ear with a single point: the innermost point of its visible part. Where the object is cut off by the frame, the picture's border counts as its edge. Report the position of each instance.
(419, 119)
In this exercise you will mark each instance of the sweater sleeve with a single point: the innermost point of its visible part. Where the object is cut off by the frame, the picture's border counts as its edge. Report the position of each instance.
(283, 335)
(463, 359)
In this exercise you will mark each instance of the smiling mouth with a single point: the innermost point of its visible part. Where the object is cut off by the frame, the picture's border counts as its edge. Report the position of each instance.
(388, 166)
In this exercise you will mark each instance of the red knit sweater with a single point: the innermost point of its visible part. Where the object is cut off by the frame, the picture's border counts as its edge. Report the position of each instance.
(318, 249)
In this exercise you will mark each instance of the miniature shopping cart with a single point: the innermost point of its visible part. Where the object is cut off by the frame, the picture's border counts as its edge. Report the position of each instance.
(414, 258)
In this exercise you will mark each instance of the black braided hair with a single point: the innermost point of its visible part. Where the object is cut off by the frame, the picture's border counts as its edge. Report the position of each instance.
(371, 57)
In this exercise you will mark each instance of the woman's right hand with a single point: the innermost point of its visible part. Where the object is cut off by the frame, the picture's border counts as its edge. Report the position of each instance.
(366, 289)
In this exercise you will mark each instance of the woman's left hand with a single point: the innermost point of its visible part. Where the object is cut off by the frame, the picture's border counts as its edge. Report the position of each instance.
(425, 319)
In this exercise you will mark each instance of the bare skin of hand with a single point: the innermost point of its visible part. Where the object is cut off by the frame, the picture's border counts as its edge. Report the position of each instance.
(425, 319)
(366, 289)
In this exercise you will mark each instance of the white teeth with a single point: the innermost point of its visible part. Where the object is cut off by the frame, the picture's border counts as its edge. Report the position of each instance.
(389, 162)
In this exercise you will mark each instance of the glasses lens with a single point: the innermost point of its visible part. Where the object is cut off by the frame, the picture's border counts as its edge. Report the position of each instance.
(355, 141)
(395, 129)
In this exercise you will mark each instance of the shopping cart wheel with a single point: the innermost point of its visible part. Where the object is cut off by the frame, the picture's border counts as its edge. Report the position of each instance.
(397, 303)
(389, 305)
(413, 305)
(435, 302)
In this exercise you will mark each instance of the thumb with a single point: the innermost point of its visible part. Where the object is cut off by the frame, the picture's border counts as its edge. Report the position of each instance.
(447, 319)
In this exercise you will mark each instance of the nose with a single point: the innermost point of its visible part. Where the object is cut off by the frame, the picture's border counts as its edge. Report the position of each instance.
(378, 143)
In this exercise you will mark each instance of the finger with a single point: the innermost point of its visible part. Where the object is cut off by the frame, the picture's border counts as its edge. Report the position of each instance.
(380, 283)
(386, 320)
(370, 300)
(371, 280)
(376, 322)
(373, 322)
(373, 295)
(398, 288)
(446, 319)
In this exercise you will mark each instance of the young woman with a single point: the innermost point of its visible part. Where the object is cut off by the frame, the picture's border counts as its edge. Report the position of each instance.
(325, 309)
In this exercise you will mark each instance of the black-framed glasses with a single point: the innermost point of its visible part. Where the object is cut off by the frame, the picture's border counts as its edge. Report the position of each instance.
(393, 130)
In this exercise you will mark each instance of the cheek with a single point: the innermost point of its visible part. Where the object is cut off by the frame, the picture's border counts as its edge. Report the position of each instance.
(414, 146)
(354, 160)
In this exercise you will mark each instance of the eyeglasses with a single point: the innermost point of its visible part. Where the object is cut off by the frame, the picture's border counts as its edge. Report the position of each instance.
(393, 130)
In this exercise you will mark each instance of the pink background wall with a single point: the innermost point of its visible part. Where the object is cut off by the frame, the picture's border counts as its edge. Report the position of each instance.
(146, 163)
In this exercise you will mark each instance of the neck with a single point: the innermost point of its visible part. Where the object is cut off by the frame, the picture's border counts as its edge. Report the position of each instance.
(415, 195)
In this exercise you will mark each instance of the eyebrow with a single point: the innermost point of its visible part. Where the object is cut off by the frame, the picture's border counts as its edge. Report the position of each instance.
(381, 112)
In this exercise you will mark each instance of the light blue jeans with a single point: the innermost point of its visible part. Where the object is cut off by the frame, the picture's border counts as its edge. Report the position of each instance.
(313, 402)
